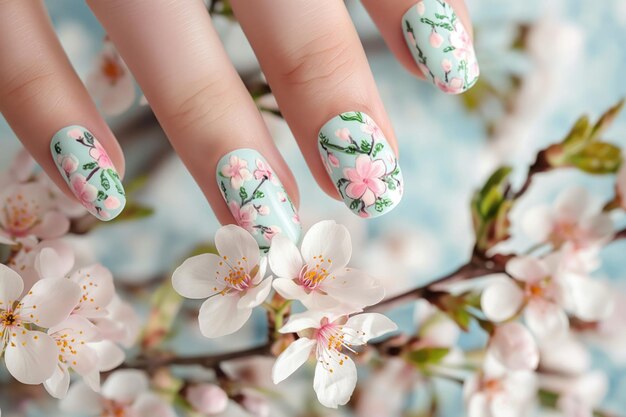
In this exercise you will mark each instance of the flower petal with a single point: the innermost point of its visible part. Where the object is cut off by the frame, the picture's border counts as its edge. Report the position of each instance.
(545, 319)
(236, 243)
(501, 299)
(81, 399)
(354, 288)
(53, 224)
(110, 355)
(538, 222)
(284, 258)
(330, 240)
(55, 260)
(11, 286)
(96, 283)
(50, 301)
(256, 295)
(334, 388)
(514, 346)
(287, 288)
(572, 204)
(301, 321)
(292, 358)
(586, 298)
(31, 356)
(195, 278)
(526, 268)
(125, 386)
(219, 316)
(151, 405)
(58, 384)
(368, 326)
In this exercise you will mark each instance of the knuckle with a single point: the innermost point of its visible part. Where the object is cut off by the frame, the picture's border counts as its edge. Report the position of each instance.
(325, 62)
(26, 85)
(203, 102)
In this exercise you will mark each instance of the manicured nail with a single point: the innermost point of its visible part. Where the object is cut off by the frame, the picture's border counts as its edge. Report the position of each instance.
(361, 164)
(88, 171)
(441, 46)
(256, 197)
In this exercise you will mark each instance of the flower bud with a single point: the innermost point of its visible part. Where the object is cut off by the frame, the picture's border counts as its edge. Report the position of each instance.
(255, 404)
(207, 398)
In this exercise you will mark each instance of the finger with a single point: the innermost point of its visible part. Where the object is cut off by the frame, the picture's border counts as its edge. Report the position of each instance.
(41, 97)
(206, 111)
(432, 38)
(315, 64)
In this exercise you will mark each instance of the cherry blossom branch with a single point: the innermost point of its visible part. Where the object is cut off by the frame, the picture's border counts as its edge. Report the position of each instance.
(541, 164)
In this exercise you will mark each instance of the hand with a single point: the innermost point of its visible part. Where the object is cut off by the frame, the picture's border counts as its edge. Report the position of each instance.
(313, 61)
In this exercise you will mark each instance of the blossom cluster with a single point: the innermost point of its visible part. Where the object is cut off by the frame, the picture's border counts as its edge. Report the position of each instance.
(57, 313)
(234, 282)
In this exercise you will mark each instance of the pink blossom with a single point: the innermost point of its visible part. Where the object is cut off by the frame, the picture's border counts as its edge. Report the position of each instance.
(333, 160)
(111, 202)
(75, 133)
(69, 163)
(270, 232)
(263, 210)
(371, 128)
(461, 41)
(343, 134)
(264, 171)
(421, 8)
(454, 86)
(435, 39)
(363, 214)
(100, 155)
(365, 180)
(446, 65)
(296, 218)
(281, 196)
(244, 216)
(237, 170)
(84, 192)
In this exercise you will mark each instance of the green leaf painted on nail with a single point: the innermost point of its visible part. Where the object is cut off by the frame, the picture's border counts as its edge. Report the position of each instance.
(101, 195)
(90, 165)
(104, 181)
(379, 147)
(57, 148)
(352, 117)
(365, 146)
(89, 138)
(355, 204)
(243, 193)
(259, 194)
(117, 182)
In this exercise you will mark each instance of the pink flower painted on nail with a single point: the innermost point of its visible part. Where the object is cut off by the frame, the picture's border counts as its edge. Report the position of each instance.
(343, 134)
(237, 170)
(75, 133)
(333, 160)
(454, 86)
(85, 192)
(263, 210)
(244, 216)
(111, 203)
(435, 39)
(365, 180)
(371, 128)
(69, 163)
(264, 171)
(281, 196)
(461, 42)
(446, 65)
(100, 155)
(421, 8)
(270, 232)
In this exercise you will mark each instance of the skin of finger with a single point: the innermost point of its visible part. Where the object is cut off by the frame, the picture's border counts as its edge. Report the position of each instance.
(40, 92)
(203, 106)
(387, 15)
(313, 60)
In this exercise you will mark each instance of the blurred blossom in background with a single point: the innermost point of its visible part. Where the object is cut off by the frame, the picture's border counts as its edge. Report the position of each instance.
(543, 64)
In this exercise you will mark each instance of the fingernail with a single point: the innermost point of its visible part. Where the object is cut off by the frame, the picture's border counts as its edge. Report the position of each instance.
(361, 164)
(441, 46)
(88, 171)
(256, 197)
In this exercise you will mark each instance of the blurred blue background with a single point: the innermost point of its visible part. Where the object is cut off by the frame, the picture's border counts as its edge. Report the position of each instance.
(572, 62)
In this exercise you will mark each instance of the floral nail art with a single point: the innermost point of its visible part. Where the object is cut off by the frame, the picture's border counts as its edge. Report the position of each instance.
(256, 197)
(89, 172)
(441, 46)
(361, 164)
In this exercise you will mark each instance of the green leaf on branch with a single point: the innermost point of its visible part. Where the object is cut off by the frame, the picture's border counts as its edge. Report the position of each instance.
(365, 146)
(427, 356)
(606, 120)
(598, 158)
(455, 307)
(133, 211)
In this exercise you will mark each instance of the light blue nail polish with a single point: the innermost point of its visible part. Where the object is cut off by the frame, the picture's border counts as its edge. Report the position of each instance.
(88, 171)
(441, 46)
(256, 197)
(361, 164)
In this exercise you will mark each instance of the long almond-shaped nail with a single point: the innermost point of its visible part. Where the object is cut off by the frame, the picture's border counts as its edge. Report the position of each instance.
(441, 46)
(256, 197)
(361, 164)
(88, 171)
